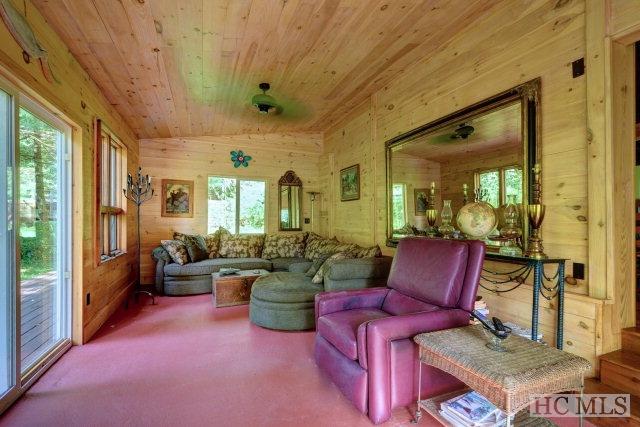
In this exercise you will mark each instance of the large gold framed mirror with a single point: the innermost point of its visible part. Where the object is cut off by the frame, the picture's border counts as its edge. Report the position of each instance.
(483, 153)
(290, 202)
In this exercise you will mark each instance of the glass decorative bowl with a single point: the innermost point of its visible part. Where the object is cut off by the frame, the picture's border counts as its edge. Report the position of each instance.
(494, 342)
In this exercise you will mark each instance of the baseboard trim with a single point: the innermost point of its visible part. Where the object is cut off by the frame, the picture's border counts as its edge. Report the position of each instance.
(101, 317)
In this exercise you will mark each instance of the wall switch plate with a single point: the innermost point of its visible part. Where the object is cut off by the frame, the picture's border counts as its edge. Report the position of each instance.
(578, 270)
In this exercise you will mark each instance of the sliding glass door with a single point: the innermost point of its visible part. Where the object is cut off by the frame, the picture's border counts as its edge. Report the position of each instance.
(35, 241)
(44, 233)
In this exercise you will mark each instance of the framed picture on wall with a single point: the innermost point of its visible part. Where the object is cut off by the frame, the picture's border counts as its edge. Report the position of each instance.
(350, 183)
(177, 198)
(420, 200)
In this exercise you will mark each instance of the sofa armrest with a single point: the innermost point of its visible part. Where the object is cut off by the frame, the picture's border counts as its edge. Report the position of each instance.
(360, 268)
(331, 302)
(381, 332)
(162, 258)
(161, 254)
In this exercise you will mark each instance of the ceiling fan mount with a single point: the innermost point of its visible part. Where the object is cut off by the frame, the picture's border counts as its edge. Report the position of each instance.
(463, 131)
(266, 104)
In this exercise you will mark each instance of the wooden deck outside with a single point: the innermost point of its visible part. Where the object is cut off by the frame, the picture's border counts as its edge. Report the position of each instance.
(38, 317)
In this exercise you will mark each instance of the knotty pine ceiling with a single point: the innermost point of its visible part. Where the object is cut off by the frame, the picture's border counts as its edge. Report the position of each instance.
(189, 67)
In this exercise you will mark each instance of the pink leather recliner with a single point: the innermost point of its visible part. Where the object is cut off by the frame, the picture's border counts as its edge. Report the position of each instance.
(364, 339)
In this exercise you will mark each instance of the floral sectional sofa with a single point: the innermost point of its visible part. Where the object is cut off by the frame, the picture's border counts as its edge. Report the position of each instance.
(185, 263)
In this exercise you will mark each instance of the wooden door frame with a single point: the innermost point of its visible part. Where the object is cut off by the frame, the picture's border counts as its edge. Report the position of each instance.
(610, 62)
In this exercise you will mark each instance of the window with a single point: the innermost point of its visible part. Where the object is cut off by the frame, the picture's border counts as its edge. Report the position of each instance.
(236, 204)
(111, 162)
(499, 183)
(399, 206)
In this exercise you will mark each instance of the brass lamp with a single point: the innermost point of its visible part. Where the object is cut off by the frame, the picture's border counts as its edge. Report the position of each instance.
(536, 212)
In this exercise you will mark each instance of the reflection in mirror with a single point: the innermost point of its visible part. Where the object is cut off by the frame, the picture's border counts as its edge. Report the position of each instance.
(290, 202)
(476, 156)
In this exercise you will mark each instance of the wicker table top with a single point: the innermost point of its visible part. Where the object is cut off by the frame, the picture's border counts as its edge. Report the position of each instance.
(507, 379)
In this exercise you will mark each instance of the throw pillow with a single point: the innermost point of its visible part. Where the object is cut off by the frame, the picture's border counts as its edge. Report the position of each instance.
(177, 251)
(317, 263)
(212, 240)
(319, 276)
(284, 245)
(196, 247)
(370, 252)
(318, 247)
(241, 246)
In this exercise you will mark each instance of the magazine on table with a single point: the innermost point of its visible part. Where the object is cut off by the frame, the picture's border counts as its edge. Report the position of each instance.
(471, 409)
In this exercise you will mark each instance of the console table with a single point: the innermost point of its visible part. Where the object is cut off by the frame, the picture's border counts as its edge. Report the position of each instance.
(546, 286)
(511, 380)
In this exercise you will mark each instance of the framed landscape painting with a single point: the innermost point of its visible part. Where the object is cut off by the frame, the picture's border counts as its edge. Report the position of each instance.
(420, 200)
(177, 198)
(350, 183)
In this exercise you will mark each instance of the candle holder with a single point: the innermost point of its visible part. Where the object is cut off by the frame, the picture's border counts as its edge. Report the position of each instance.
(536, 211)
(431, 212)
(139, 191)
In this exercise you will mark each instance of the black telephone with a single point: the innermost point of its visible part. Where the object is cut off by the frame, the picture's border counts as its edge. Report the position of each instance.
(495, 326)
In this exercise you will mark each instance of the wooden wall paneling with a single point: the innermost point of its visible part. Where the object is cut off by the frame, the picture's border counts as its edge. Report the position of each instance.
(75, 89)
(540, 39)
(599, 179)
(197, 158)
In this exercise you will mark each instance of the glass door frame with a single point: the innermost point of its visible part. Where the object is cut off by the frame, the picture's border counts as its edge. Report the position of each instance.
(15, 390)
(63, 238)
(21, 382)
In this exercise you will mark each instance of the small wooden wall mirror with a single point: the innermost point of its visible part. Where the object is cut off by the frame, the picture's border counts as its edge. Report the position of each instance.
(489, 148)
(290, 202)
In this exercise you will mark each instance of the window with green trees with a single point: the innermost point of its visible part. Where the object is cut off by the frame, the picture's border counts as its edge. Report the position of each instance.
(237, 205)
(399, 206)
(497, 184)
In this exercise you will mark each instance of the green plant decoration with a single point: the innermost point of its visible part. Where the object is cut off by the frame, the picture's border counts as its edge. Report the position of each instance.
(240, 159)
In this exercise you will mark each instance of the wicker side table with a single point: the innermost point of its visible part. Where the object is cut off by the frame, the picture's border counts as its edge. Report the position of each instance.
(509, 379)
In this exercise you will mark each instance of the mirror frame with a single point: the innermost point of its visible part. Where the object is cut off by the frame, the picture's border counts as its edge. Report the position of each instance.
(289, 179)
(529, 95)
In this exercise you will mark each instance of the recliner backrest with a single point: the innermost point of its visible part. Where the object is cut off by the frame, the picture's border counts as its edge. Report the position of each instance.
(435, 271)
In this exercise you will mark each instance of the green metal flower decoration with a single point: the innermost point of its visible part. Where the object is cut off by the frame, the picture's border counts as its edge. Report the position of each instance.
(240, 159)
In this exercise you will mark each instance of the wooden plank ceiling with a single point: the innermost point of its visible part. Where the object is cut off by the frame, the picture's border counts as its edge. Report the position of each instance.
(190, 67)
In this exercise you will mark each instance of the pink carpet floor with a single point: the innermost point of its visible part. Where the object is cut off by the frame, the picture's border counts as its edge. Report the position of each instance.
(185, 363)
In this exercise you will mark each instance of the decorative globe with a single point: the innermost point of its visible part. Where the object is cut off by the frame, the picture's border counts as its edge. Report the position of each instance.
(477, 220)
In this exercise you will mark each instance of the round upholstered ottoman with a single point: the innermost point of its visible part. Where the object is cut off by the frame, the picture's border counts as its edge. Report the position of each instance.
(284, 301)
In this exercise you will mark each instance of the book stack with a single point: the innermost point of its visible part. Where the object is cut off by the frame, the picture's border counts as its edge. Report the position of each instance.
(472, 410)
(522, 331)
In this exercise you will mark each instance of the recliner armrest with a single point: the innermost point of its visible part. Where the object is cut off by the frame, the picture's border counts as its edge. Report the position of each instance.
(381, 332)
(331, 302)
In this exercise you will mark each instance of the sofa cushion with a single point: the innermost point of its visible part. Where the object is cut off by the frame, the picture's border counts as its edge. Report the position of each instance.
(177, 251)
(284, 245)
(209, 266)
(195, 244)
(341, 328)
(433, 273)
(241, 245)
(283, 264)
(285, 287)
